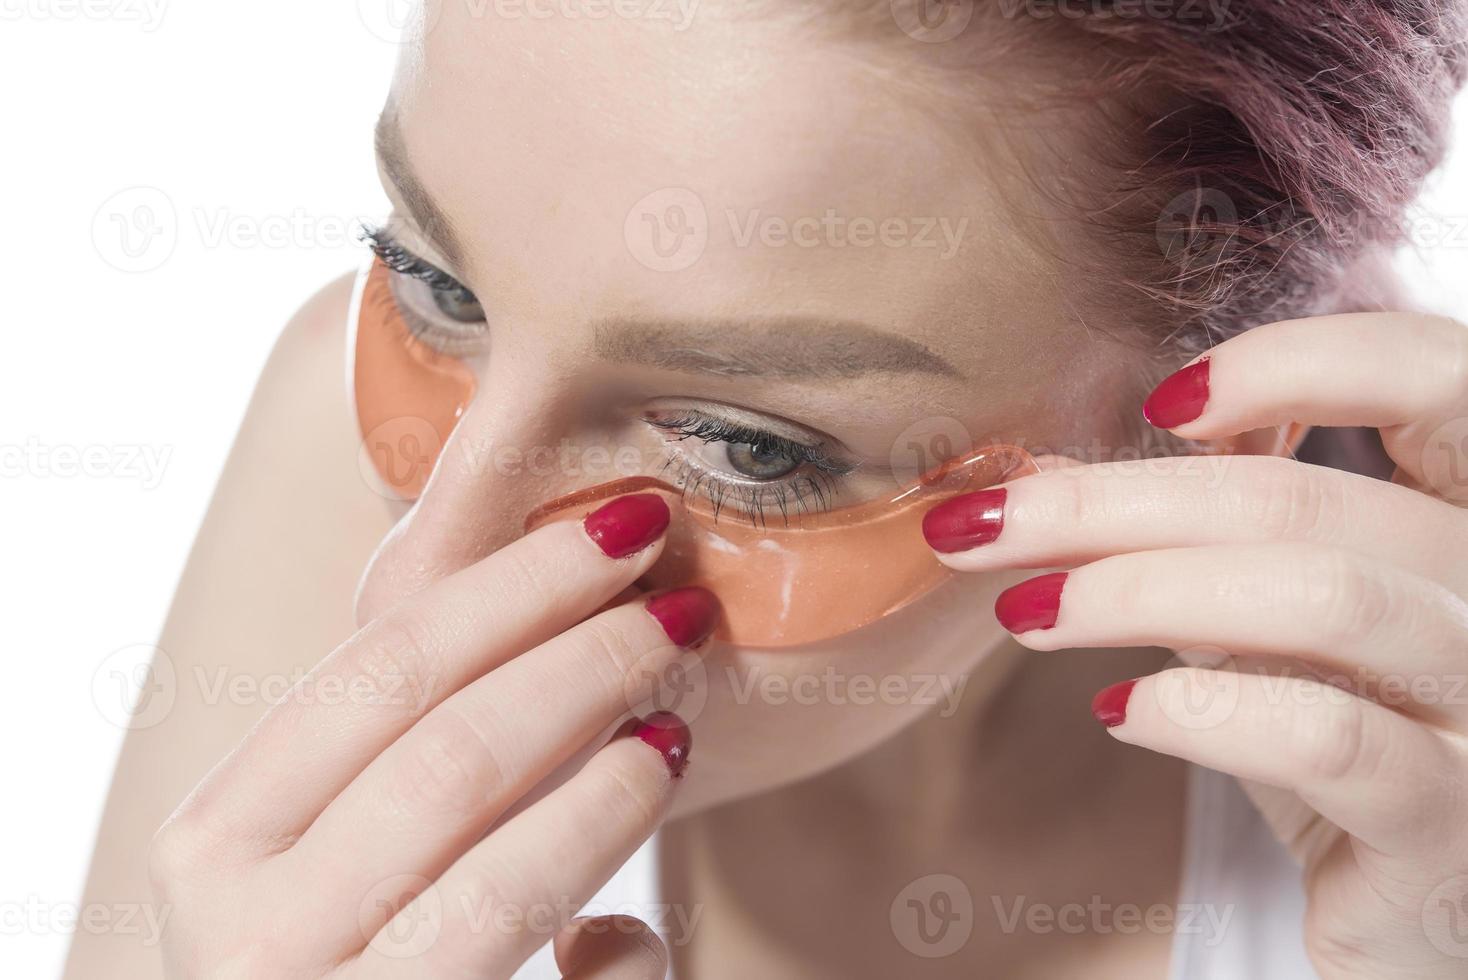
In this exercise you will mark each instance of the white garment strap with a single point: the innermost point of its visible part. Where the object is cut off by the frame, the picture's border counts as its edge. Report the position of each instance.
(633, 890)
(1241, 905)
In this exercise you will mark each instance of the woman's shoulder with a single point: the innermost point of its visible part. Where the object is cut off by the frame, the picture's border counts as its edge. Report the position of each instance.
(270, 580)
(267, 591)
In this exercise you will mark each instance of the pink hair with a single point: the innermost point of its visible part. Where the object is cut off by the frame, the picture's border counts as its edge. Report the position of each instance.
(1278, 150)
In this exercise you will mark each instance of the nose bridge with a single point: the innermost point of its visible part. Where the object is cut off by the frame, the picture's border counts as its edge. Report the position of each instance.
(501, 460)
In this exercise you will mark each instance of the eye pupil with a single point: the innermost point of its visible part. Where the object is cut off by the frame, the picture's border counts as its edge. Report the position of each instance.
(759, 462)
(458, 304)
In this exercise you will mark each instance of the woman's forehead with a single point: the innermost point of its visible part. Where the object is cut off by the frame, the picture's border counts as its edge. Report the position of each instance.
(616, 166)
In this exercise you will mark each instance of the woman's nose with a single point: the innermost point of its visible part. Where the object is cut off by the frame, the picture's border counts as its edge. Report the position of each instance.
(506, 455)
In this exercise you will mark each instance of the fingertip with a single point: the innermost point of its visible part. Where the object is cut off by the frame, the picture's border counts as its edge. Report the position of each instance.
(610, 947)
(965, 522)
(1109, 706)
(627, 525)
(1181, 397)
(688, 615)
(665, 732)
(1033, 604)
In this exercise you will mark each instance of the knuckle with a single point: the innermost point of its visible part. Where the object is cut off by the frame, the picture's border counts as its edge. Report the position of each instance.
(1075, 500)
(608, 650)
(1449, 356)
(1289, 502)
(520, 580)
(1335, 743)
(450, 767)
(1344, 600)
(401, 651)
(174, 853)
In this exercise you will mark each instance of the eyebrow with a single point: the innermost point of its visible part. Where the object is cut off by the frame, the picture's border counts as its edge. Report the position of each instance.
(784, 347)
(425, 212)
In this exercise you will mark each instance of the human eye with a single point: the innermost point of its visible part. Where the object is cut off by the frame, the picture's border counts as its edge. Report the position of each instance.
(737, 464)
(436, 307)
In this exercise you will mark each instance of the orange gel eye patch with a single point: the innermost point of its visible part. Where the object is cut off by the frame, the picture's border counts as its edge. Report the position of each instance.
(407, 395)
(819, 576)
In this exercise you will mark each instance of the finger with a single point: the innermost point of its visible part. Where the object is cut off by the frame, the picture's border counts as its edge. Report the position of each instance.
(1084, 513)
(435, 791)
(1385, 370)
(1392, 783)
(377, 684)
(610, 947)
(1368, 626)
(522, 884)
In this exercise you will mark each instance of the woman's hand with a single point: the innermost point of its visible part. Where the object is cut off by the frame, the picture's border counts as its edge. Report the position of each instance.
(1334, 603)
(346, 837)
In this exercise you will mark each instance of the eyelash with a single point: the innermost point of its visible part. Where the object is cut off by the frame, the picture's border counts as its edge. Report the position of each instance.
(420, 291)
(405, 263)
(810, 492)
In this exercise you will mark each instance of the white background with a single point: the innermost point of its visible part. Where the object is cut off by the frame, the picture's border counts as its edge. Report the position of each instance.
(251, 123)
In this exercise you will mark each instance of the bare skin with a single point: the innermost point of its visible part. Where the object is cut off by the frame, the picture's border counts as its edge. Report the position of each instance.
(298, 422)
(749, 923)
(514, 153)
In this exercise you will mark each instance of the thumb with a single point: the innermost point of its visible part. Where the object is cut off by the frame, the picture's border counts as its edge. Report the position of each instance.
(610, 947)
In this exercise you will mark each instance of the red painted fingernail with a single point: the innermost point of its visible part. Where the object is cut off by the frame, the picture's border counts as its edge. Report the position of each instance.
(966, 521)
(1031, 605)
(1179, 398)
(1109, 705)
(687, 615)
(665, 732)
(628, 524)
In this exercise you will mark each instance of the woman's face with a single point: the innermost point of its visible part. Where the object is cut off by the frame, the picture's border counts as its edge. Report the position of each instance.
(864, 291)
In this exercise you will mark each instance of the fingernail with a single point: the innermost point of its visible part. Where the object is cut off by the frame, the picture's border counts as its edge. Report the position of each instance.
(687, 615)
(628, 524)
(1109, 706)
(1031, 605)
(665, 732)
(966, 521)
(1179, 398)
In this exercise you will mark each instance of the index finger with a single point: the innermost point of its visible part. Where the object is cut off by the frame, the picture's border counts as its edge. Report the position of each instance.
(1357, 369)
(310, 746)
